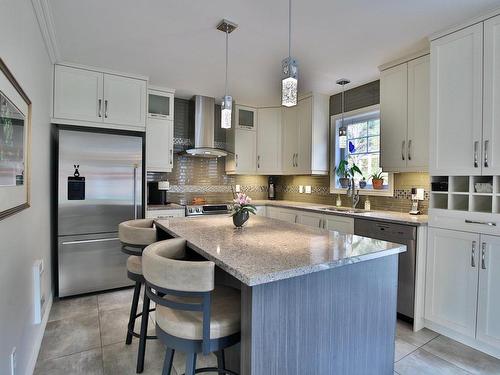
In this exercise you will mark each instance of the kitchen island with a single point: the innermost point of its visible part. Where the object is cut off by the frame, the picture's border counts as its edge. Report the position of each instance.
(313, 301)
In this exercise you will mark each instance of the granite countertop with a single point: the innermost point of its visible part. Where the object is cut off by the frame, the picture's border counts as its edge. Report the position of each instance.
(266, 250)
(170, 206)
(378, 215)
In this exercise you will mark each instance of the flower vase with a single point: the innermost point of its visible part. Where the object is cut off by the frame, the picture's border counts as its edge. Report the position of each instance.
(240, 218)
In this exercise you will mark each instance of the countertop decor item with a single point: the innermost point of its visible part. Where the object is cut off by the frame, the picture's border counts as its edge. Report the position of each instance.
(242, 209)
(345, 172)
(483, 187)
(362, 183)
(15, 124)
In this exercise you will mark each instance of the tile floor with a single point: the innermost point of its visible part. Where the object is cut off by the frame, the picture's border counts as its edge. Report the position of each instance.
(87, 336)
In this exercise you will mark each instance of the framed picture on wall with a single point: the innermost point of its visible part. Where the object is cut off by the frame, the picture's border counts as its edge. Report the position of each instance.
(15, 130)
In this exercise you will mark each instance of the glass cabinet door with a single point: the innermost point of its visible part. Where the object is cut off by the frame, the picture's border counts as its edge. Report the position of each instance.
(160, 104)
(246, 117)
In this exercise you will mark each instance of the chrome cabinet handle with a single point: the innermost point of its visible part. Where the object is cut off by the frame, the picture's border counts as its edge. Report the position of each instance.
(403, 150)
(476, 143)
(486, 153)
(483, 255)
(490, 223)
(258, 161)
(236, 157)
(171, 156)
(106, 108)
(409, 149)
(293, 159)
(297, 159)
(473, 255)
(135, 192)
(100, 108)
(90, 241)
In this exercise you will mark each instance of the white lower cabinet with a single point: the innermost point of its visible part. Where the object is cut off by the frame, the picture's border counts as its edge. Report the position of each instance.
(261, 210)
(488, 311)
(339, 223)
(310, 219)
(165, 214)
(462, 296)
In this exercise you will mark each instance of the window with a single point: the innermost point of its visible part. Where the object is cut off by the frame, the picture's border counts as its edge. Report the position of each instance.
(363, 149)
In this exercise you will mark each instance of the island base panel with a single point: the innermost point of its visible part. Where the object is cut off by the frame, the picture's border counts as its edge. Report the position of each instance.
(339, 321)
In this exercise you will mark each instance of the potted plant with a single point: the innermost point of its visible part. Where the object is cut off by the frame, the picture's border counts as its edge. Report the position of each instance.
(242, 209)
(345, 173)
(377, 180)
(362, 183)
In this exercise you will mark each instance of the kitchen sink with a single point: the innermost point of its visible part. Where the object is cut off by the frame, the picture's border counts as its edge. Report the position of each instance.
(346, 210)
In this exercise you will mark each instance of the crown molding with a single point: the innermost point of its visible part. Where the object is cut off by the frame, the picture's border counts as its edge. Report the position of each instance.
(46, 24)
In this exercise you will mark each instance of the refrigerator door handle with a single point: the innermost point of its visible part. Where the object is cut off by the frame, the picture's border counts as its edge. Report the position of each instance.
(135, 191)
(90, 241)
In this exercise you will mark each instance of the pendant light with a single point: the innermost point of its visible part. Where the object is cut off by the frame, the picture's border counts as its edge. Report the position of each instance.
(289, 70)
(343, 128)
(227, 101)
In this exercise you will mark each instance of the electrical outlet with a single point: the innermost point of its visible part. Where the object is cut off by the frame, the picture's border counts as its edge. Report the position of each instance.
(13, 361)
(301, 189)
(237, 188)
(308, 189)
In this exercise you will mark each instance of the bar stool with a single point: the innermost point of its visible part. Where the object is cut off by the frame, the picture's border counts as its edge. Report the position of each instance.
(192, 315)
(135, 235)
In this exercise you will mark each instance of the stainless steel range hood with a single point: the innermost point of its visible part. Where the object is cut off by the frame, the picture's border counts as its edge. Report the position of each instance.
(204, 129)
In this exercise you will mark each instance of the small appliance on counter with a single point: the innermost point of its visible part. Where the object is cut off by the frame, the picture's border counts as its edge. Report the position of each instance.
(157, 192)
(271, 188)
(416, 196)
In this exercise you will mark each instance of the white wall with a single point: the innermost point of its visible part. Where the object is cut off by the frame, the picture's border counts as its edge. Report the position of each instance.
(25, 236)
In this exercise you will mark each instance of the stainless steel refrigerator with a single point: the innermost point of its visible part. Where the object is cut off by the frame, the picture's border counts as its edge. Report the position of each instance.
(100, 179)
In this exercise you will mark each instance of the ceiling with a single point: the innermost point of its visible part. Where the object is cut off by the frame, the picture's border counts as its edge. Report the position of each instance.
(176, 43)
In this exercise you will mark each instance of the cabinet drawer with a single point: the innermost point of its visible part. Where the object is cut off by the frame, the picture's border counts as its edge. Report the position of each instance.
(476, 222)
(162, 214)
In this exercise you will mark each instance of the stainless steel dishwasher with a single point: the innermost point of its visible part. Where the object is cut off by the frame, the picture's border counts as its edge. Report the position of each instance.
(402, 234)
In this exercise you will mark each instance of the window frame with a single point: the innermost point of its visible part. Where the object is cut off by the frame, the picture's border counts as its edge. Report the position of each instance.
(335, 154)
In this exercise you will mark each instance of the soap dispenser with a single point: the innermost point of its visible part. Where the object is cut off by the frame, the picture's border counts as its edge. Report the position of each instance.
(367, 204)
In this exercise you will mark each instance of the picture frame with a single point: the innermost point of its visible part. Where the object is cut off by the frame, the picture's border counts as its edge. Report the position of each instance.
(15, 145)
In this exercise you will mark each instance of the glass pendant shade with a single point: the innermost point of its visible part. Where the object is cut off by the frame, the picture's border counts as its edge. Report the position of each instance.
(289, 82)
(226, 109)
(342, 137)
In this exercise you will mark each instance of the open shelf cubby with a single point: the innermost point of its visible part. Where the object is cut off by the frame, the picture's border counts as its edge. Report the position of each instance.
(466, 193)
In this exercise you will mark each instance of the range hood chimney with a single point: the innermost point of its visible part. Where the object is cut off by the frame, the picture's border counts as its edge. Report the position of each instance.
(204, 129)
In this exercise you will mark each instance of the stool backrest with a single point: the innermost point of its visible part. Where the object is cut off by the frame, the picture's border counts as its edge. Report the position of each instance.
(167, 275)
(140, 232)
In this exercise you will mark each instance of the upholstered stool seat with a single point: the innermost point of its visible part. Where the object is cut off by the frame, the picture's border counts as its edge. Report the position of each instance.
(224, 316)
(192, 314)
(134, 264)
(135, 235)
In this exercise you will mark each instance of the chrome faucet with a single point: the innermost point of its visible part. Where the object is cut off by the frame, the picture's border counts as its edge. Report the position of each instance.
(352, 193)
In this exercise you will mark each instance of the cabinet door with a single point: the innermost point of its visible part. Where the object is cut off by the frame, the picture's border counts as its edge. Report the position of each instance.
(418, 114)
(124, 101)
(287, 215)
(310, 219)
(245, 148)
(488, 319)
(491, 119)
(290, 139)
(456, 102)
(305, 117)
(261, 210)
(246, 118)
(78, 94)
(452, 279)
(339, 223)
(159, 145)
(269, 141)
(393, 117)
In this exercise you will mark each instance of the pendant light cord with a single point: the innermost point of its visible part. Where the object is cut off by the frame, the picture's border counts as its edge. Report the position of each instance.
(227, 48)
(343, 105)
(289, 28)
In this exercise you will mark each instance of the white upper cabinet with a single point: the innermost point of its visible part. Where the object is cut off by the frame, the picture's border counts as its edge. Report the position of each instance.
(269, 140)
(88, 97)
(456, 102)
(246, 117)
(488, 322)
(452, 280)
(124, 101)
(393, 117)
(244, 144)
(404, 116)
(78, 94)
(305, 136)
(417, 147)
(491, 105)
(159, 145)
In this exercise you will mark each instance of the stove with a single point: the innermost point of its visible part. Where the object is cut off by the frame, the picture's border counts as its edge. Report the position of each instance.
(208, 209)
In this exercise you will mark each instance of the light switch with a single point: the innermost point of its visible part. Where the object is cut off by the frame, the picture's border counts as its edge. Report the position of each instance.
(308, 189)
(301, 189)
